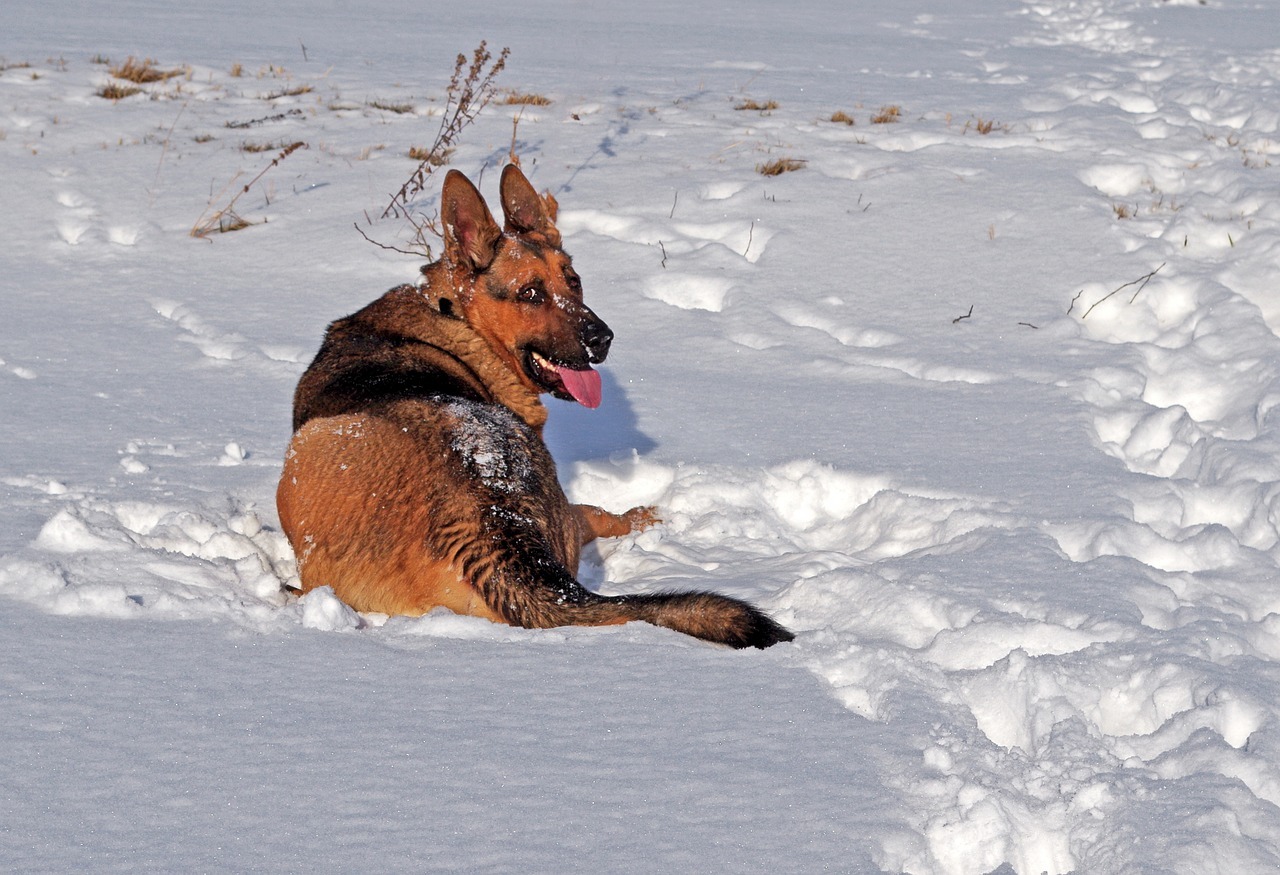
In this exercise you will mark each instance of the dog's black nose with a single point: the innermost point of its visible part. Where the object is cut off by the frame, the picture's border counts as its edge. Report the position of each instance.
(596, 338)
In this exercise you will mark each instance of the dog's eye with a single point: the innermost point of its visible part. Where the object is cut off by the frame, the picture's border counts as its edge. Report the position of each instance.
(531, 294)
(575, 284)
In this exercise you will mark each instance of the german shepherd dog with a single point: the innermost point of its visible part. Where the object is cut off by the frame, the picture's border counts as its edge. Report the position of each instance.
(417, 476)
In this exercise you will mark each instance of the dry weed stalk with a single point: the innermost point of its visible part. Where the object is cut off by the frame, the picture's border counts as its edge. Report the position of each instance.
(1140, 282)
(842, 117)
(226, 219)
(512, 157)
(471, 88)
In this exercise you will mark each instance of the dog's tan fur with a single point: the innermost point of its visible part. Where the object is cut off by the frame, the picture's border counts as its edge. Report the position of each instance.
(417, 477)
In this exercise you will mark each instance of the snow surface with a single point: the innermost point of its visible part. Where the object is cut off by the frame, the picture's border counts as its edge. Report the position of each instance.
(992, 420)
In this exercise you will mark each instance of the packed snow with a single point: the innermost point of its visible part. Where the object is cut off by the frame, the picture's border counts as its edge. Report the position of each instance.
(982, 400)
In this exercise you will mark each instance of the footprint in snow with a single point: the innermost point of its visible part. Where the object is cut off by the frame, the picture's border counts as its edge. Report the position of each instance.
(743, 237)
(79, 218)
(834, 326)
(18, 370)
(219, 345)
(689, 291)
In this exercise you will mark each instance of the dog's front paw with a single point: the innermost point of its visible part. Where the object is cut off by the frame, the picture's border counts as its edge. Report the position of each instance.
(641, 518)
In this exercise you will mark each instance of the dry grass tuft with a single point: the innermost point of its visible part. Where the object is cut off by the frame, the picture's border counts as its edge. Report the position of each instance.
(237, 70)
(227, 223)
(289, 92)
(254, 148)
(752, 105)
(985, 126)
(842, 117)
(515, 98)
(114, 91)
(142, 72)
(1123, 211)
(779, 166)
(388, 106)
(887, 115)
(435, 158)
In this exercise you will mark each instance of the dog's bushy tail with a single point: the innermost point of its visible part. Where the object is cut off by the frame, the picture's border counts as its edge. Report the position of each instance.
(526, 585)
(704, 615)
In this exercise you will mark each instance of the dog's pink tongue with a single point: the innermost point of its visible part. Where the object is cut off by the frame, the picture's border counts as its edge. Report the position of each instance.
(584, 386)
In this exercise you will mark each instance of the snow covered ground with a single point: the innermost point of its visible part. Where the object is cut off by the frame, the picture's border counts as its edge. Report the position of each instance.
(983, 402)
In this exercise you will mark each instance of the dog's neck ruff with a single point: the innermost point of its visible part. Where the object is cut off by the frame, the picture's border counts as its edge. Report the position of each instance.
(450, 334)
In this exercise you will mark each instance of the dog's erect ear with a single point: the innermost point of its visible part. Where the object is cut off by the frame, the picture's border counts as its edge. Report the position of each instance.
(470, 233)
(524, 209)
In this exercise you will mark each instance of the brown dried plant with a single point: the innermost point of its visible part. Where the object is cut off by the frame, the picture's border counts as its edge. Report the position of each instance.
(226, 219)
(116, 91)
(436, 158)
(392, 106)
(779, 166)
(516, 98)
(142, 72)
(887, 115)
(470, 90)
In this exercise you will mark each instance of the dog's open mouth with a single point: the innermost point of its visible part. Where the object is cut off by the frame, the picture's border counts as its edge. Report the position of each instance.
(571, 384)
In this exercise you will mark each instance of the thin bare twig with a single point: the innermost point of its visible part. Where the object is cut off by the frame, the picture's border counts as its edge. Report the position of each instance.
(164, 148)
(225, 219)
(1141, 282)
(382, 245)
(965, 316)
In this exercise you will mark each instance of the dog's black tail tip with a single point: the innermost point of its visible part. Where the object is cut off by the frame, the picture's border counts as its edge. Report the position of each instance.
(760, 631)
(712, 617)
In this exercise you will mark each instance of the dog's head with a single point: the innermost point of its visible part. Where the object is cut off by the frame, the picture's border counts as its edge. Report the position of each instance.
(517, 288)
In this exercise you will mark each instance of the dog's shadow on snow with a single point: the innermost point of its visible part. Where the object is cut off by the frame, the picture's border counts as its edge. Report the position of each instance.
(575, 434)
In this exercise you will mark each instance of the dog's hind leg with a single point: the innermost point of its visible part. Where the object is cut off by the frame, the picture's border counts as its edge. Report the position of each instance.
(523, 582)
